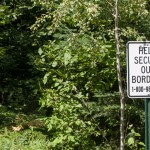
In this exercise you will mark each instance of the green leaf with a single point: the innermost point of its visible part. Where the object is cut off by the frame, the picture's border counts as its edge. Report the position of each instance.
(71, 138)
(40, 51)
(67, 58)
(54, 64)
(45, 78)
(130, 141)
(141, 143)
(137, 134)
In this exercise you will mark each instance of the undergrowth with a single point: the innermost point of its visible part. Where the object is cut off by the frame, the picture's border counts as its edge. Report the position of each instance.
(19, 131)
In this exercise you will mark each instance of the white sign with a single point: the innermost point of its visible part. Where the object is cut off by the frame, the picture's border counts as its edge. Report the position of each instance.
(138, 69)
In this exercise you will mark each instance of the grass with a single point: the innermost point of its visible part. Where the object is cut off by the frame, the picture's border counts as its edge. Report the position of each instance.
(20, 131)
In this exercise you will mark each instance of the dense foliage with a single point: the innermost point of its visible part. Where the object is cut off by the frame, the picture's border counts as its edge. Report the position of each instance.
(58, 60)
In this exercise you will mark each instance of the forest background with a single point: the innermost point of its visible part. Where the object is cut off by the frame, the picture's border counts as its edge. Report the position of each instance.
(58, 78)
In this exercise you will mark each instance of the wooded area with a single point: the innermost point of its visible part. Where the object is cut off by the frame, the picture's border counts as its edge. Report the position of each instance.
(58, 77)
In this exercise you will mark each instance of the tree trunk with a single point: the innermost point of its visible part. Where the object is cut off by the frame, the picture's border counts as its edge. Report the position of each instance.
(121, 92)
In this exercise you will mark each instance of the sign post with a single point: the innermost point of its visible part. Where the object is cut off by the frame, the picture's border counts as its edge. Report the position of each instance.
(138, 78)
(147, 124)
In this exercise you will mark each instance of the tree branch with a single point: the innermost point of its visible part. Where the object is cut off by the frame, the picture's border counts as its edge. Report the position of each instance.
(122, 97)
